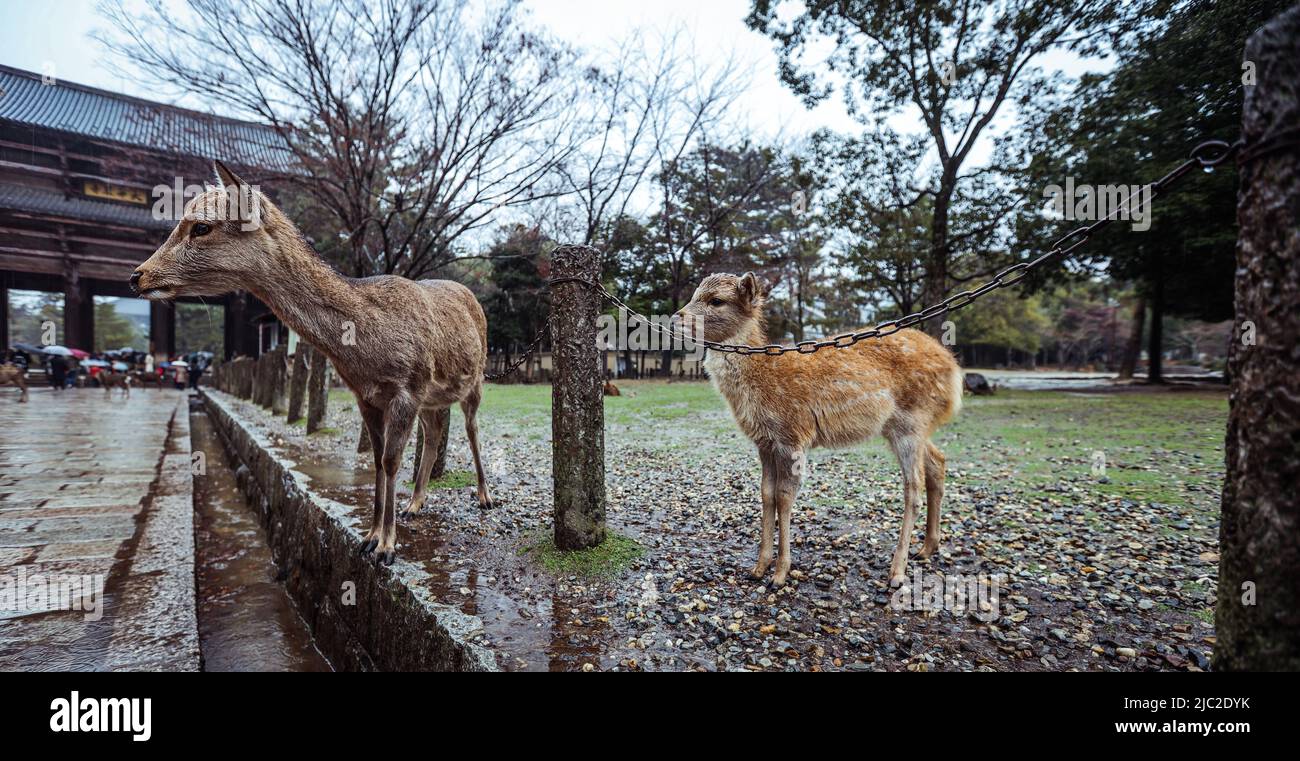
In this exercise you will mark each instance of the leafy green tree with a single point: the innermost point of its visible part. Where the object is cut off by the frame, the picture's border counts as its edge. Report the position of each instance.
(114, 330)
(200, 327)
(1179, 81)
(957, 64)
(1004, 320)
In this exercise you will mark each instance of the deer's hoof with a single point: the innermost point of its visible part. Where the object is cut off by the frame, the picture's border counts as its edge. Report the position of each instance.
(486, 503)
(368, 546)
(410, 512)
(896, 581)
(926, 552)
(385, 558)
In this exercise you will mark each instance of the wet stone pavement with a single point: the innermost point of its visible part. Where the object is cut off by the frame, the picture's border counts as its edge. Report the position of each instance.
(96, 490)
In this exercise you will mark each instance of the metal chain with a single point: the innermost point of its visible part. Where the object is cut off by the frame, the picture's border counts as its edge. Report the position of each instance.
(523, 357)
(1207, 155)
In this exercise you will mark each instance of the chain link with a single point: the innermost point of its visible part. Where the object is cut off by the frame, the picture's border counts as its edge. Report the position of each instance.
(1207, 155)
(522, 357)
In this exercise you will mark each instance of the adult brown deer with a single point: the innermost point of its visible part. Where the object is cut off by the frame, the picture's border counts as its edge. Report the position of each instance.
(901, 387)
(13, 375)
(405, 348)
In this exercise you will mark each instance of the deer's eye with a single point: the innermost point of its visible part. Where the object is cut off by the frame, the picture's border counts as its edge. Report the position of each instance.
(716, 302)
(200, 230)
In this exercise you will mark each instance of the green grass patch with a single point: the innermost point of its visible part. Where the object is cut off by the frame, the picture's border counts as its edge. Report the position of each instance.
(452, 479)
(605, 560)
(325, 431)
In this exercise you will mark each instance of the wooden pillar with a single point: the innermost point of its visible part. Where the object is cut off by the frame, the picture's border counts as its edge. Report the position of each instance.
(317, 391)
(577, 402)
(298, 381)
(4, 315)
(78, 310)
(1258, 611)
(162, 328)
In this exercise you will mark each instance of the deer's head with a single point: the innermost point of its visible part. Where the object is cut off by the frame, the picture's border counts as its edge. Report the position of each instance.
(221, 243)
(723, 308)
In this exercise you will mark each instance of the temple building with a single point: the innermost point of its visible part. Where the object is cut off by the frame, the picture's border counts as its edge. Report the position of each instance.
(87, 181)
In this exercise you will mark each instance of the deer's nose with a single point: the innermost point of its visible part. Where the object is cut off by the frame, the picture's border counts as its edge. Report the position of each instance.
(135, 281)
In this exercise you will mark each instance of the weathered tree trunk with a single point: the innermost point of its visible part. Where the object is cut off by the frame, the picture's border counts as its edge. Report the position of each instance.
(936, 266)
(298, 381)
(577, 402)
(1258, 611)
(1133, 348)
(317, 391)
(1156, 335)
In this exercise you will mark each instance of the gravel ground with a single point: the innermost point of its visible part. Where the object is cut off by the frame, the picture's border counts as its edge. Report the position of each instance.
(1093, 513)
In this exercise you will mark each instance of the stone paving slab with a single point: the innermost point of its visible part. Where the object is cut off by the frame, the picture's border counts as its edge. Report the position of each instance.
(97, 488)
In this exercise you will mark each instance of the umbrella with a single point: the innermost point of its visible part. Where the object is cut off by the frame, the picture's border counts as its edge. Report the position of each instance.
(94, 363)
(62, 351)
(29, 348)
(121, 367)
(180, 363)
(79, 354)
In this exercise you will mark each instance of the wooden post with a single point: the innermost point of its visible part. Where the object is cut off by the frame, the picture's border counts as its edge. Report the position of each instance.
(363, 443)
(577, 402)
(317, 391)
(298, 381)
(264, 379)
(440, 460)
(1257, 616)
(279, 380)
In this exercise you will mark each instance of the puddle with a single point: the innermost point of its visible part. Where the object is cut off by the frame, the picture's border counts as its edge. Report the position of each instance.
(247, 622)
(532, 627)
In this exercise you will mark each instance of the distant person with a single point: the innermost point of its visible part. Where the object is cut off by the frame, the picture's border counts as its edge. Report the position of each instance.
(58, 372)
(181, 376)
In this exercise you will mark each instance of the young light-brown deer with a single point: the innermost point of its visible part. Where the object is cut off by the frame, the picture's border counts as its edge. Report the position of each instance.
(404, 348)
(13, 375)
(901, 387)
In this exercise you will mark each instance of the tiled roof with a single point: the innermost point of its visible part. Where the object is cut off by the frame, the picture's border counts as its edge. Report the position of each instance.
(123, 119)
(50, 202)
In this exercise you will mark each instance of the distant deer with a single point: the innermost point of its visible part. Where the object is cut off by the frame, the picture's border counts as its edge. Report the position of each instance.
(13, 375)
(404, 348)
(110, 380)
(902, 387)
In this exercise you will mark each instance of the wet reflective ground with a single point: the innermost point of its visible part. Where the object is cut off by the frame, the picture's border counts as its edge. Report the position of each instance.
(1097, 571)
(247, 622)
(96, 486)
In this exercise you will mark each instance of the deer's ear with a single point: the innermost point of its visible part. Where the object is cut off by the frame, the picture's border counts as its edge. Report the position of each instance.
(227, 177)
(749, 287)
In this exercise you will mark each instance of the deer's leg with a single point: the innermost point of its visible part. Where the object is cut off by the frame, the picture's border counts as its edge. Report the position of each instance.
(790, 468)
(935, 470)
(373, 425)
(910, 452)
(399, 419)
(768, 491)
(469, 408)
(430, 421)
